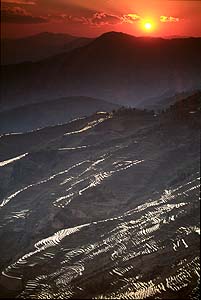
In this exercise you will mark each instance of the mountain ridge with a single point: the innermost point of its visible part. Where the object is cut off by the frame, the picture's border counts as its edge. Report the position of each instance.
(38, 47)
(116, 67)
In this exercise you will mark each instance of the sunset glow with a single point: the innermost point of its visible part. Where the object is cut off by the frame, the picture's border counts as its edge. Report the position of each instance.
(93, 18)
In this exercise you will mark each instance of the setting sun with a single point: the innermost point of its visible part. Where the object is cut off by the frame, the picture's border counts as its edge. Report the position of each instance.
(148, 26)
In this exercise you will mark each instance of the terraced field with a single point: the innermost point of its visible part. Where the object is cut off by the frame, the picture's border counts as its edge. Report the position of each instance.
(105, 207)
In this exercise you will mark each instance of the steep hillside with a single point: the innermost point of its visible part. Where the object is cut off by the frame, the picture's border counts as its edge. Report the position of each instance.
(113, 197)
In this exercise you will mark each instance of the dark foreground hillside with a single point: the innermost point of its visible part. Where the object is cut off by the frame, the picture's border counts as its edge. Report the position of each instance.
(103, 207)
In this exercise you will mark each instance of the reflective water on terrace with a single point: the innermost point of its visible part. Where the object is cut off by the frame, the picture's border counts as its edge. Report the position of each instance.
(110, 219)
(120, 252)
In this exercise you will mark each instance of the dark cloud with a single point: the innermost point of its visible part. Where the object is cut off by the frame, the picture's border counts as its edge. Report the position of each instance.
(101, 18)
(18, 15)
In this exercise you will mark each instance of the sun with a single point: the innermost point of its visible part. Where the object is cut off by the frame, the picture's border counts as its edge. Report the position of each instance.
(148, 26)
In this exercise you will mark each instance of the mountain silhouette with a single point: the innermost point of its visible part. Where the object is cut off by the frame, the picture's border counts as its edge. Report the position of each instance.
(115, 67)
(39, 46)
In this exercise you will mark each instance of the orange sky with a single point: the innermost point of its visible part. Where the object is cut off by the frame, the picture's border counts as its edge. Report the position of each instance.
(93, 17)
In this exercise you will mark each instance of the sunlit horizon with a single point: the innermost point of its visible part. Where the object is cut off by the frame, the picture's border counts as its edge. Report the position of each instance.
(93, 18)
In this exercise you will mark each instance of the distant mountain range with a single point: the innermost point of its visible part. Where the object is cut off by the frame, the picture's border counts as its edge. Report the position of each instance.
(177, 36)
(60, 111)
(37, 47)
(164, 101)
(115, 67)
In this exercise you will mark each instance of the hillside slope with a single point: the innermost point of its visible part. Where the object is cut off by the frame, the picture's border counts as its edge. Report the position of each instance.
(59, 111)
(113, 197)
